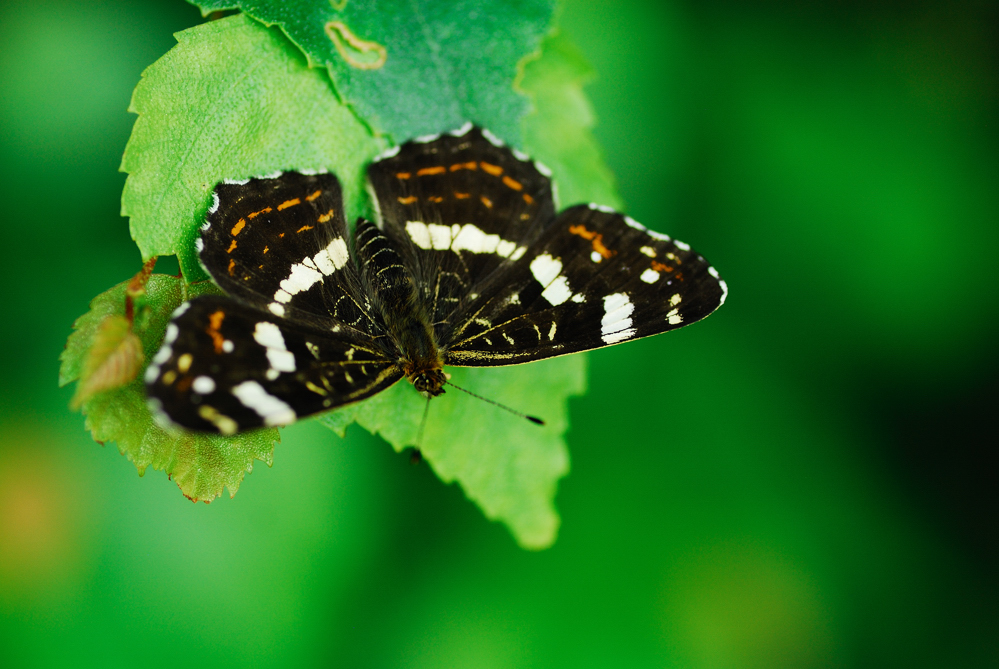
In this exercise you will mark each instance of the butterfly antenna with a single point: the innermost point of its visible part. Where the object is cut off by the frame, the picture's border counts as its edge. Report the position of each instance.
(533, 419)
(417, 456)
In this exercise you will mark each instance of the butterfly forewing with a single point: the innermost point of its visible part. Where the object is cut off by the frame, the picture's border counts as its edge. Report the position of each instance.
(225, 366)
(460, 208)
(281, 243)
(594, 279)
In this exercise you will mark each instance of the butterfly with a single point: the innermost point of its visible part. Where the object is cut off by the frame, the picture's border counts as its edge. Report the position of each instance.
(468, 263)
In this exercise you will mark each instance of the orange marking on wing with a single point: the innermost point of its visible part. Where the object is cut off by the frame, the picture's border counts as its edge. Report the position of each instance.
(288, 203)
(427, 171)
(265, 210)
(528, 199)
(464, 166)
(679, 276)
(486, 201)
(462, 196)
(312, 197)
(232, 265)
(327, 216)
(281, 235)
(303, 228)
(596, 239)
(660, 267)
(510, 183)
(214, 323)
(495, 170)
(266, 249)
(403, 175)
(238, 228)
(184, 383)
(232, 247)
(435, 198)
(407, 200)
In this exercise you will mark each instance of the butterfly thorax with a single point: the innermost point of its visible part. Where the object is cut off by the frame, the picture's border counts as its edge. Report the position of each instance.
(397, 300)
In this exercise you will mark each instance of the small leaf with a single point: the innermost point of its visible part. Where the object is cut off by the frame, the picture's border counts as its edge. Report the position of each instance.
(115, 358)
(416, 67)
(202, 465)
(231, 100)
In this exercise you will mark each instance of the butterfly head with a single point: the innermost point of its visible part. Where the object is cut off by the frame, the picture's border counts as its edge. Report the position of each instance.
(430, 383)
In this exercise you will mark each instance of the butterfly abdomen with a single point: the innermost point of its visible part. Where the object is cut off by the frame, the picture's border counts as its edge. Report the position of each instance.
(398, 302)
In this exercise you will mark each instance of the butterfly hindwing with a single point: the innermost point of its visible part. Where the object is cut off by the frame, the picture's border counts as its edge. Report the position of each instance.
(594, 279)
(225, 366)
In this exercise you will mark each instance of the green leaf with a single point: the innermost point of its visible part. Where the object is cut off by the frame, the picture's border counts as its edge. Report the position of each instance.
(201, 465)
(507, 465)
(231, 100)
(416, 67)
(234, 99)
(557, 132)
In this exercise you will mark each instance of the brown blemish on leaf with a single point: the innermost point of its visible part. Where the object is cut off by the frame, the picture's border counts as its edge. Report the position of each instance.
(362, 54)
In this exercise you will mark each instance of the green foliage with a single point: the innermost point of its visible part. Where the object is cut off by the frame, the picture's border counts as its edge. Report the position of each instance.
(235, 99)
(415, 67)
(506, 465)
(557, 132)
(231, 100)
(202, 465)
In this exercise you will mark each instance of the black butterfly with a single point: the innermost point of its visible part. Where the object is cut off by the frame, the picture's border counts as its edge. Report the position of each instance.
(469, 265)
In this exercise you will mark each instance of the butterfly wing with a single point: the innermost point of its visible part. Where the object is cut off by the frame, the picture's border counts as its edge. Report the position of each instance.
(281, 244)
(460, 207)
(594, 278)
(225, 366)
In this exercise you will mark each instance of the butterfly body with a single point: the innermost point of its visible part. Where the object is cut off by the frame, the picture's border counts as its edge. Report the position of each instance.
(467, 264)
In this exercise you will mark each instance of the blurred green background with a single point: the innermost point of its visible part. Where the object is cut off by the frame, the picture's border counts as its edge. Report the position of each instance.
(803, 480)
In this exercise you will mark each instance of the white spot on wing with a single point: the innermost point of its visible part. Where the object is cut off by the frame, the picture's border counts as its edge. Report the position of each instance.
(215, 204)
(388, 153)
(541, 167)
(253, 396)
(199, 244)
(491, 138)
(227, 345)
(557, 291)
(545, 268)
(551, 333)
(680, 245)
(171, 334)
(333, 257)
(615, 325)
(674, 317)
(277, 308)
(269, 336)
(649, 251)
(462, 131)
(650, 276)
(236, 182)
(596, 257)
(203, 385)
